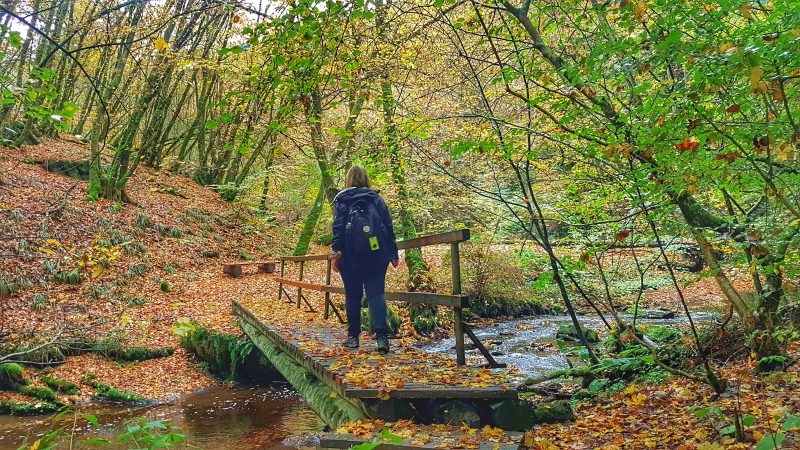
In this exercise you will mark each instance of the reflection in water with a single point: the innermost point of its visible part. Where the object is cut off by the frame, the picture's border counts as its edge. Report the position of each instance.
(271, 417)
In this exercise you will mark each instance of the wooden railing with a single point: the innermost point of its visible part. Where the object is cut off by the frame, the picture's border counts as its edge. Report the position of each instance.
(455, 300)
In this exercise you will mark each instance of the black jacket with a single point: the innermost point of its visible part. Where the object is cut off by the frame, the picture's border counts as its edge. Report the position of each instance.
(341, 206)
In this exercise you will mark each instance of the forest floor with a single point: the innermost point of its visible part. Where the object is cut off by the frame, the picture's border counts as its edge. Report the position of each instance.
(164, 253)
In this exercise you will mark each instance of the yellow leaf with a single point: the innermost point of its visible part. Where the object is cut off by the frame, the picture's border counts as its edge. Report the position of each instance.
(710, 446)
(36, 445)
(756, 84)
(746, 11)
(160, 44)
(784, 152)
(640, 9)
(124, 320)
(333, 394)
(98, 271)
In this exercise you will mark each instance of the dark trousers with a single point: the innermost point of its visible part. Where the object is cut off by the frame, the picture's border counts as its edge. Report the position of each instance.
(357, 281)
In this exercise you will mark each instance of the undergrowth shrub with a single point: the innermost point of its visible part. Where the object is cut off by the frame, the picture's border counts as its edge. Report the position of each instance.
(497, 283)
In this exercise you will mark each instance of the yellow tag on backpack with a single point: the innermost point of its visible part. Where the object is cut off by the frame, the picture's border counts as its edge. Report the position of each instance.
(373, 243)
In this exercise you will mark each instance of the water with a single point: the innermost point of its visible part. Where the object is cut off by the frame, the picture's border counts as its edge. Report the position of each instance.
(271, 417)
(276, 417)
(529, 343)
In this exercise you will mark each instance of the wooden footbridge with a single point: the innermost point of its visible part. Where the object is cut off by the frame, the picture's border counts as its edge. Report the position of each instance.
(299, 329)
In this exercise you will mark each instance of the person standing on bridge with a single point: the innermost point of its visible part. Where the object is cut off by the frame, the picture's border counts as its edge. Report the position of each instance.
(363, 245)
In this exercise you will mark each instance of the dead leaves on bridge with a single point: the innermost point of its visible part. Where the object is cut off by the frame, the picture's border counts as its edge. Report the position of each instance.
(365, 368)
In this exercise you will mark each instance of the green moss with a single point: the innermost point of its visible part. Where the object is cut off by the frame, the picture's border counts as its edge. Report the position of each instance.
(59, 385)
(40, 393)
(228, 356)
(108, 393)
(11, 377)
(165, 287)
(553, 412)
(662, 334)
(27, 408)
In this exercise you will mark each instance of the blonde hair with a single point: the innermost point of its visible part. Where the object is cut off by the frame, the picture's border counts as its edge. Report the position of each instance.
(357, 177)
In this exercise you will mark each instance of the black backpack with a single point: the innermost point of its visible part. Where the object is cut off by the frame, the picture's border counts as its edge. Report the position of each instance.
(364, 233)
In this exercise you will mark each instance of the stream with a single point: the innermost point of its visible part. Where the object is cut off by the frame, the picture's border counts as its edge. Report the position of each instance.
(268, 417)
(276, 417)
(529, 343)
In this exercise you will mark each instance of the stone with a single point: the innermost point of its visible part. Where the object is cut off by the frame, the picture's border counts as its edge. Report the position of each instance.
(657, 314)
(569, 333)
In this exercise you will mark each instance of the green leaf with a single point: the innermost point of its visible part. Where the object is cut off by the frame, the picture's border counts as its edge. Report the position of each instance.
(15, 39)
(749, 420)
(791, 422)
(387, 435)
(97, 441)
(92, 420)
(771, 441)
(211, 124)
(730, 430)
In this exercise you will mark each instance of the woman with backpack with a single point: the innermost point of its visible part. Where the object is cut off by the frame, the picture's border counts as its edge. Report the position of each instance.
(364, 245)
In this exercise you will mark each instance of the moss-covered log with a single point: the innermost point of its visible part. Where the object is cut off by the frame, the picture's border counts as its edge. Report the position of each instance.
(334, 410)
(39, 393)
(27, 408)
(11, 377)
(59, 385)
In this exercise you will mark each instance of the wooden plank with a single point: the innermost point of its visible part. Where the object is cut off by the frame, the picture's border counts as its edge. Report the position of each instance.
(486, 354)
(435, 239)
(248, 263)
(233, 270)
(430, 298)
(266, 267)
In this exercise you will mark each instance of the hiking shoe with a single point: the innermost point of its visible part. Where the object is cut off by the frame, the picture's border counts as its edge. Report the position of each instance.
(383, 345)
(350, 342)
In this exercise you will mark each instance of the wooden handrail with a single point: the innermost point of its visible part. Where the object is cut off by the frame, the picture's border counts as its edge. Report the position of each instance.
(435, 239)
(428, 298)
(422, 241)
(324, 257)
(456, 300)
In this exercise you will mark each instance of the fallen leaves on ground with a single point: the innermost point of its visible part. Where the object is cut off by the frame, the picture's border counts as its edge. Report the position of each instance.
(436, 435)
(662, 416)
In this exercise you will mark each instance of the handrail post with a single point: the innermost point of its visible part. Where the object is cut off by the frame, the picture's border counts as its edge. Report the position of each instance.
(280, 285)
(299, 289)
(327, 294)
(458, 327)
